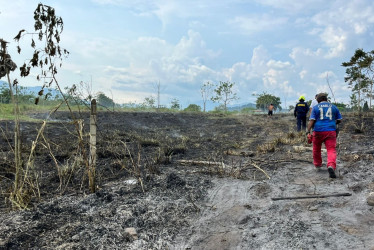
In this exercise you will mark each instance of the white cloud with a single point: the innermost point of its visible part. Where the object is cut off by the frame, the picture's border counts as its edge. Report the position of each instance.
(260, 56)
(194, 46)
(339, 23)
(335, 39)
(303, 73)
(278, 81)
(299, 53)
(112, 2)
(278, 64)
(326, 74)
(360, 28)
(148, 60)
(259, 60)
(292, 6)
(261, 74)
(238, 71)
(271, 78)
(307, 60)
(257, 23)
(286, 88)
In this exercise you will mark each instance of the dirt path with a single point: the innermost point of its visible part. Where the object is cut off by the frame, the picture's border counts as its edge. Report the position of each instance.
(241, 215)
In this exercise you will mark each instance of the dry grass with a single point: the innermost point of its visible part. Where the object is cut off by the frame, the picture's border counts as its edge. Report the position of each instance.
(133, 164)
(290, 138)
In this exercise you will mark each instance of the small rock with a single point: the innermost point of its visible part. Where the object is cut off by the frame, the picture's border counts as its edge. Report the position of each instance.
(371, 187)
(370, 199)
(313, 208)
(131, 234)
(131, 182)
(352, 231)
(75, 237)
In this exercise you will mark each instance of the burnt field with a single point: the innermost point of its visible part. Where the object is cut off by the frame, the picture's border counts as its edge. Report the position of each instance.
(186, 181)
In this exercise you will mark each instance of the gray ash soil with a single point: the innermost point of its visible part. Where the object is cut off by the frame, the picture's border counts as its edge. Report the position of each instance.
(190, 206)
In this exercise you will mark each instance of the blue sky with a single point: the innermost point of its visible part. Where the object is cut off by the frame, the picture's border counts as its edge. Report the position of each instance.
(282, 47)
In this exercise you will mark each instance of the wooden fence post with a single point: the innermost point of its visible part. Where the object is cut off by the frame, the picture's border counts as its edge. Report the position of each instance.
(92, 158)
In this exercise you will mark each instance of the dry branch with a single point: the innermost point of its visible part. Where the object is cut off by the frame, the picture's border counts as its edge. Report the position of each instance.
(302, 148)
(6, 138)
(30, 161)
(201, 163)
(244, 153)
(255, 165)
(311, 196)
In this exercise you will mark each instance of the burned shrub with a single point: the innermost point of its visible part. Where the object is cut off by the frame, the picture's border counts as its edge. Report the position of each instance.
(174, 181)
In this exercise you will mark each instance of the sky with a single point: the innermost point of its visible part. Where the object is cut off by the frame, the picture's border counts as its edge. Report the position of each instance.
(125, 48)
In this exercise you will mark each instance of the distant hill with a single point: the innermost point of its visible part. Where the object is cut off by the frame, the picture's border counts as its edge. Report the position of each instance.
(239, 107)
(35, 90)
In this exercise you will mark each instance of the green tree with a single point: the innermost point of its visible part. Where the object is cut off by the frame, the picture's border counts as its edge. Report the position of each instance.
(340, 106)
(224, 94)
(206, 92)
(149, 102)
(365, 108)
(174, 104)
(219, 108)
(357, 81)
(104, 100)
(24, 95)
(353, 102)
(368, 64)
(4, 94)
(247, 110)
(193, 108)
(264, 100)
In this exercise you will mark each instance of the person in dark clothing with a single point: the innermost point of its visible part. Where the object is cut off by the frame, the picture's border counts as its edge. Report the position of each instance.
(300, 112)
(270, 108)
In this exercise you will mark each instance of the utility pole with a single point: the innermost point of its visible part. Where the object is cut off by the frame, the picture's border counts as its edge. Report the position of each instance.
(158, 95)
(92, 158)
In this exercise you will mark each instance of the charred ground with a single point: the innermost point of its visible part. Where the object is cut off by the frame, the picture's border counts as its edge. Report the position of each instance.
(162, 174)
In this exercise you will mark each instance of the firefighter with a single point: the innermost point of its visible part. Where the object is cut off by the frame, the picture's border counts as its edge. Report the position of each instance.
(300, 112)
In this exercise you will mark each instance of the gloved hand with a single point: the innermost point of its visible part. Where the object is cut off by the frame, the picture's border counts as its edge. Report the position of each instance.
(309, 137)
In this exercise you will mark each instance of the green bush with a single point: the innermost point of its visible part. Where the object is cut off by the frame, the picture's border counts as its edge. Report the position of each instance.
(366, 107)
(247, 110)
(193, 108)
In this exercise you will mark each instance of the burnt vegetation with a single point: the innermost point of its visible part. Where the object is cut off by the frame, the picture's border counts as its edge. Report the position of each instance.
(153, 171)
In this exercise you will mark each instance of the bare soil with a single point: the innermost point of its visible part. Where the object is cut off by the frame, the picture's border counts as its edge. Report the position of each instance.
(187, 181)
